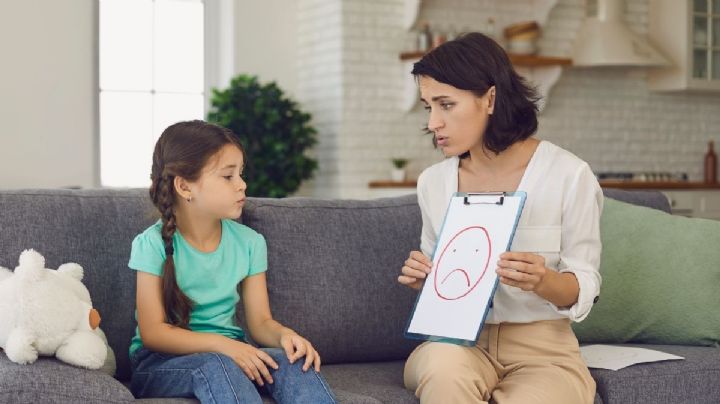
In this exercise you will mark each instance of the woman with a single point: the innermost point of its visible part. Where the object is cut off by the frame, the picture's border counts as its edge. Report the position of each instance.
(483, 117)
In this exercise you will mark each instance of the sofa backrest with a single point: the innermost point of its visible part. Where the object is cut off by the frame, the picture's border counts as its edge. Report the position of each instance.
(650, 199)
(333, 268)
(332, 264)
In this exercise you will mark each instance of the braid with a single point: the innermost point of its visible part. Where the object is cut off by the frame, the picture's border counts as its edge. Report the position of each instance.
(177, 305)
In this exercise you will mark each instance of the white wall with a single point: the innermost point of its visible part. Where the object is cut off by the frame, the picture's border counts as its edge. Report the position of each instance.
(47, 94)
(265, 42)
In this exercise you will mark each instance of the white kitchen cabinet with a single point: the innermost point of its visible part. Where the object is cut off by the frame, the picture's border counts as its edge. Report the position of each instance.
(695, 203)
(688, 33)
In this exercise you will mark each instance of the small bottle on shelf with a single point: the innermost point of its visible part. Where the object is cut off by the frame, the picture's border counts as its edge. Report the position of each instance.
(438, 38)
(490, 29)
(710, 164)
(424, 37)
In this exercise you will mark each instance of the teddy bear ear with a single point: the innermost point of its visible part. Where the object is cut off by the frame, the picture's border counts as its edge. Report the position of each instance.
(32, 258)
(32, 265)
(72, 269)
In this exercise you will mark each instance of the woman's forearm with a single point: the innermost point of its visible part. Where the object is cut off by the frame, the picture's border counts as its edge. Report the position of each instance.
(560, 289)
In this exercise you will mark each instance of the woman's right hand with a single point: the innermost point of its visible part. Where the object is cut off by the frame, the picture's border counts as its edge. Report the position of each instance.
(253, 362)
(416, 268)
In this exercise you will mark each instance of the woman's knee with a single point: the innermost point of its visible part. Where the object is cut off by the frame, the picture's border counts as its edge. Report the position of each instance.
(440, 364)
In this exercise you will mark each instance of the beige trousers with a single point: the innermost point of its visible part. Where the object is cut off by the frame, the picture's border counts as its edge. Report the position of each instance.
(512, 363)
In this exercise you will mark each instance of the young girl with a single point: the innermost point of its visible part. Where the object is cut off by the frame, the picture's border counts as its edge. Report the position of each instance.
(483, 116)
(189, 265)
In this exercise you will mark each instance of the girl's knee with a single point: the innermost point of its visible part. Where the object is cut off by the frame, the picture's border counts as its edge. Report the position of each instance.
(216, 363)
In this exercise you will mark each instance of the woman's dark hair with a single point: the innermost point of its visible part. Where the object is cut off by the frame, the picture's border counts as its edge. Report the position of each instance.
(182, 150)
(475, 62)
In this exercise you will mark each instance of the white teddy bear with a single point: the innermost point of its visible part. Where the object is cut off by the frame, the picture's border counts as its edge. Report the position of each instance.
(48, 312)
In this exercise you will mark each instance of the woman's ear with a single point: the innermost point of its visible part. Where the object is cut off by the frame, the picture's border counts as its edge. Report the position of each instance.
(491, 100)
(182, 187)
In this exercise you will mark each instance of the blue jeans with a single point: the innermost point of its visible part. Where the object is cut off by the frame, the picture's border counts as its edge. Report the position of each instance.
(215, 378)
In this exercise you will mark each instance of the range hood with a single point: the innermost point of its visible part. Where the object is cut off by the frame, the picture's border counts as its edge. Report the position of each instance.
(605, 40)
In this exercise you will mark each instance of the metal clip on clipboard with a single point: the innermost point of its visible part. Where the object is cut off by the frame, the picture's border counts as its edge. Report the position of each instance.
(499, 198)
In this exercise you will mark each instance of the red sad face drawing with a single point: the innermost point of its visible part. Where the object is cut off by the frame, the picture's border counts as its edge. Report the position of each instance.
(463, 263)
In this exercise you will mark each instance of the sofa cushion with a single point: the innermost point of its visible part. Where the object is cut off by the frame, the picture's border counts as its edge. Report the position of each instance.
(332, 272)
(51, 381)
(660, 276)
(93, 228)
(693, 380)
(381, 381)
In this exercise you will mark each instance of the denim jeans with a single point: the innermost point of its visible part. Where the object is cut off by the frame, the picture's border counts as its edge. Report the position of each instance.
(215, 378)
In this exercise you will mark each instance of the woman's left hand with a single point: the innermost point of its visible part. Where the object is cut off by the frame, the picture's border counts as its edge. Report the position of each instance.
(522, 270)
(296, 347)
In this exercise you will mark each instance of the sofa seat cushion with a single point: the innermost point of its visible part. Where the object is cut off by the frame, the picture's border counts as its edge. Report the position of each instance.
(693, 380)
(50, 381)
(381, 381)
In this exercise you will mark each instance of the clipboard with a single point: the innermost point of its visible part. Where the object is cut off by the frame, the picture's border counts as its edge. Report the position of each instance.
(457, 294)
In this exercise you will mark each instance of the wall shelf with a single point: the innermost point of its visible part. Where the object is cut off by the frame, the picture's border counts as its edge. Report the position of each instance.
(392, 184)
(679, 185)
(541, 71)
(517, 60)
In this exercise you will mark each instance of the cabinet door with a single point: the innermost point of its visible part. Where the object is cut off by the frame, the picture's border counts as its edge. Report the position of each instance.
(705, 40)
(683, 203)
(710, 205)
(688, 33)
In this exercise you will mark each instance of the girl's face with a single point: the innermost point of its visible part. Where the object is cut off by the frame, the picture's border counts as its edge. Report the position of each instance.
(458, 118)
(220, 190)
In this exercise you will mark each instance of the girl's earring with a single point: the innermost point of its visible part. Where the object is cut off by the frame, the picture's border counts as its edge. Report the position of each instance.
(189, 198)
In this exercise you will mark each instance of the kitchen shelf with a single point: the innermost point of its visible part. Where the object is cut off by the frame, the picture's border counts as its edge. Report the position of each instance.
(680, 185)
(542, 71)
(393, 184)
(517, 60)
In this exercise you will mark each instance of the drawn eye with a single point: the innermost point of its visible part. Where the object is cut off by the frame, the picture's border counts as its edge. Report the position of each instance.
(476, 250)
(454, 249)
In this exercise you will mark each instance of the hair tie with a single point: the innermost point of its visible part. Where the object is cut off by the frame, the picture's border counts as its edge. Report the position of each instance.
(169, 250)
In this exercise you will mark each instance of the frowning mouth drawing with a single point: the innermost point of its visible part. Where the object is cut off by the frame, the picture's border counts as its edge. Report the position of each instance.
(463, 263)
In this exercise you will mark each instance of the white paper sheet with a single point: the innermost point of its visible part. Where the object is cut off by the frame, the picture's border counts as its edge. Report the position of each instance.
(457, 292)
(618, 357)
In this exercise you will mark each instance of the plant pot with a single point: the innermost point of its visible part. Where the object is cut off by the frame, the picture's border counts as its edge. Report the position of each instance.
(398, 174)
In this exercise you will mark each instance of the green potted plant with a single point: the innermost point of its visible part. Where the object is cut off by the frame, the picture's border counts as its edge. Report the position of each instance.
(273, 130)
(398, 172)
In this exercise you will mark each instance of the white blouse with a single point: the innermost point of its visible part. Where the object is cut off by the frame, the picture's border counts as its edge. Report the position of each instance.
(560, 221)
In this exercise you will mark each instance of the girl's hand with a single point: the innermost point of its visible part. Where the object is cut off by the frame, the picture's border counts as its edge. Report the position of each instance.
(522, 270)
(415, 270)
(296, 347)
(251, 360)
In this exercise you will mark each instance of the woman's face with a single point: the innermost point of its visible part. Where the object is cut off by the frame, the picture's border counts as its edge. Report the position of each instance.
(458, 118)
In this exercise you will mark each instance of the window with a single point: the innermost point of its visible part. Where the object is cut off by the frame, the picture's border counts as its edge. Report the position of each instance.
(152, 74)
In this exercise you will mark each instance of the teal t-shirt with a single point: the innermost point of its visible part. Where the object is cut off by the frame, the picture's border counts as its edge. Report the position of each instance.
(210, 280)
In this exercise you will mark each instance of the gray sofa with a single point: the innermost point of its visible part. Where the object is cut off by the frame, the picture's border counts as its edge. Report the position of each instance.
(332, 276)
